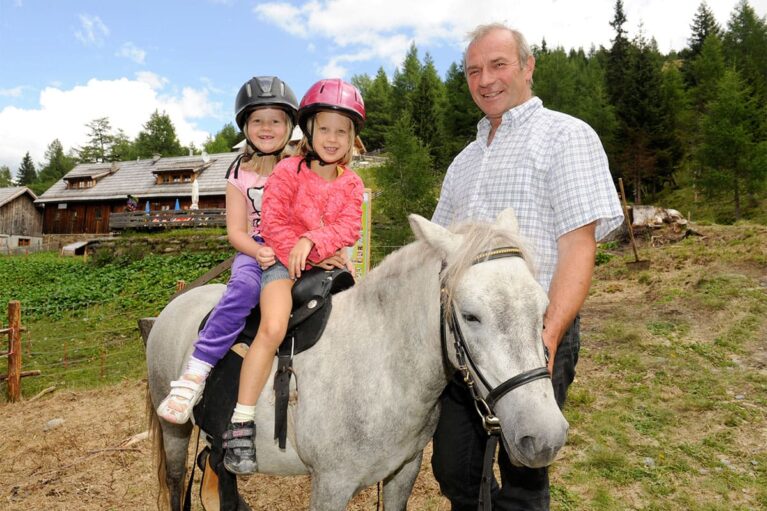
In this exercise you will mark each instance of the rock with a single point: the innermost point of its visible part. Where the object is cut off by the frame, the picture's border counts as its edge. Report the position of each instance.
(649, 462)
(53, 424)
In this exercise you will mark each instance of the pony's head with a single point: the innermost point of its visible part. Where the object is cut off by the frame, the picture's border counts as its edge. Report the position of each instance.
(499, 308)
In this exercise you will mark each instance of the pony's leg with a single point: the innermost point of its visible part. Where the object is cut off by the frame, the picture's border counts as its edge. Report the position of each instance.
(176, 442)
(398, 486)
(331, 492)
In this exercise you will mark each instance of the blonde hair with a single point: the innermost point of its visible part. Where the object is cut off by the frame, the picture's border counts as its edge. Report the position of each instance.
(263, 165)
(305, 148)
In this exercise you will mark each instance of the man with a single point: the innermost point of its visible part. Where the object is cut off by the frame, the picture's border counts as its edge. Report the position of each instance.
(551, 168)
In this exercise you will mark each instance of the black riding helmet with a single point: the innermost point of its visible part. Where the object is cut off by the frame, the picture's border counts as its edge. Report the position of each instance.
(261, 92)
(264, 91)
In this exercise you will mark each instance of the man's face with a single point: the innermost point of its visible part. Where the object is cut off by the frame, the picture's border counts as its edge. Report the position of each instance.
(496, 80)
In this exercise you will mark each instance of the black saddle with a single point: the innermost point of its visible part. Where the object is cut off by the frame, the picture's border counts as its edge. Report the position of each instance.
(312, 304)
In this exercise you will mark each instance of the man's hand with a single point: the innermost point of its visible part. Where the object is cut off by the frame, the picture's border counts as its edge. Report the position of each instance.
(297, 257)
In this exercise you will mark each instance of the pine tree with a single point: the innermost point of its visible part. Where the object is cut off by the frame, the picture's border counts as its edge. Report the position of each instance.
(428, 102)
(703, 25)
(5, 176)
(378, 106)
(730, 158)
(158, 137)
(123, 148)
(745, 47)
(57, 164)
(618, 59)
(555, 78)
(100, 141)
(26, 175)
(224, 140)
(705, 71)
(460, 115)
(643, 121)
(405, 83)
(407, 185)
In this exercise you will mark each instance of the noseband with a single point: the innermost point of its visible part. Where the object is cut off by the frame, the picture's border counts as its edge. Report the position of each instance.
(484, 406)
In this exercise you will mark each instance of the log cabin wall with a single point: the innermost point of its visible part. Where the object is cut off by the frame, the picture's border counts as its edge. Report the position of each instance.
(19, 216)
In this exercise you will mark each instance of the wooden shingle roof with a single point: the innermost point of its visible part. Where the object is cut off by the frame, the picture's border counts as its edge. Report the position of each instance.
(10, 193)
(138, 178)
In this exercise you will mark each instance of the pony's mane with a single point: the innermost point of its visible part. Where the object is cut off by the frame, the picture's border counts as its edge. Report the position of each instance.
(478, 237)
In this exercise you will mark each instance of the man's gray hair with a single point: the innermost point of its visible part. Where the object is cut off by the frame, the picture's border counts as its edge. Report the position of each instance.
(523, 49)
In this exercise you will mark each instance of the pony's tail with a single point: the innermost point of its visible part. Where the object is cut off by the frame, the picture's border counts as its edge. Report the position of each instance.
(158, 453)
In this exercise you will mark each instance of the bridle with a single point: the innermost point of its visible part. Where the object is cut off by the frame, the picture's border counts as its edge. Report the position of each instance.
(466, 366)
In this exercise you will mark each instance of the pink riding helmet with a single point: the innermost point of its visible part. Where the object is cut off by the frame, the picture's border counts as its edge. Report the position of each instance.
(332, 94)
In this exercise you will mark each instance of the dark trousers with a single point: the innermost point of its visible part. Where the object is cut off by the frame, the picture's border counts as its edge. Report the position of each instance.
(460, 439)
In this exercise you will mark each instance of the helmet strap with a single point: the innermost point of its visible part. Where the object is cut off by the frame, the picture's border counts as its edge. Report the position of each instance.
(311, 154)
(234, 165)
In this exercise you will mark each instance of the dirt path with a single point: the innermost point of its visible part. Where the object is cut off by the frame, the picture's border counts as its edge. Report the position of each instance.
(81, 464)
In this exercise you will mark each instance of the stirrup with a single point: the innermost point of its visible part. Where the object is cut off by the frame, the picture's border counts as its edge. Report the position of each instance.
(185, 394)
(240, 445)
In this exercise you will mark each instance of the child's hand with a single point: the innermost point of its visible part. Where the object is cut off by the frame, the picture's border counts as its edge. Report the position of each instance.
(265, 256)
(297, 257)
(338, 260)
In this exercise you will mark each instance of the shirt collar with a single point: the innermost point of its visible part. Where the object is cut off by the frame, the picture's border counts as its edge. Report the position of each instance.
(513, 118)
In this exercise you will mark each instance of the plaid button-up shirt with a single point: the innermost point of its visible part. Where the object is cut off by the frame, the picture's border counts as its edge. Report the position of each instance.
(548, 166)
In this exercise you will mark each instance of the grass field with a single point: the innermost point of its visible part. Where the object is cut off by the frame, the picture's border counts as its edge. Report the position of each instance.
(668, 411)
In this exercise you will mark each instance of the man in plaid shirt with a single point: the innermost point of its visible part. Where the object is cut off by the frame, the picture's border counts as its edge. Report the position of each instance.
(552, 170)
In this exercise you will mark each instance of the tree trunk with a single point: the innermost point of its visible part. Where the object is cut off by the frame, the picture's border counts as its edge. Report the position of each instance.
(737, 199)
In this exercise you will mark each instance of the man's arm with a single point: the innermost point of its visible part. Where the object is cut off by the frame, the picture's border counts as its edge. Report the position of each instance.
(570, 284)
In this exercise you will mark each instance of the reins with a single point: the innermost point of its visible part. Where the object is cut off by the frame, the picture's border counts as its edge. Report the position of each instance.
(467, 366)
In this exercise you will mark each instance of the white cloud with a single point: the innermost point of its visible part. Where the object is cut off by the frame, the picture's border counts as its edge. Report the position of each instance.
(14, 92)
(384, 29)
(92, 30)
(127, 103)
(132, 52)
(154, 80)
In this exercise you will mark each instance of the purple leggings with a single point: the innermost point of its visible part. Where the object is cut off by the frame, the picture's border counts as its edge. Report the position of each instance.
(228, 317)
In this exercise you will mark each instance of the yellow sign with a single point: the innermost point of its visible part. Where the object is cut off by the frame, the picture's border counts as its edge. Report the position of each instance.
(360, 255)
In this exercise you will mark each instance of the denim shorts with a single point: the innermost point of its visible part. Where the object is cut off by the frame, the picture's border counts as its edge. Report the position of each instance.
(277, 271)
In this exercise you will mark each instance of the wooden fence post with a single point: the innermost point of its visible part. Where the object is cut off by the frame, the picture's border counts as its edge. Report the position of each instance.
(14, 351)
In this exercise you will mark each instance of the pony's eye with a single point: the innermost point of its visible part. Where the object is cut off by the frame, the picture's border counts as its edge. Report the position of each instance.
(470, 318)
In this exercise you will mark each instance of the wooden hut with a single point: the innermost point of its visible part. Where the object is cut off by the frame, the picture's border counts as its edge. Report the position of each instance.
(21, 223)
(84, 200)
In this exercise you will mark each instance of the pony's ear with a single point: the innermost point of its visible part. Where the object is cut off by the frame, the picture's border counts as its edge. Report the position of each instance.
(507, 219)
(435, 235)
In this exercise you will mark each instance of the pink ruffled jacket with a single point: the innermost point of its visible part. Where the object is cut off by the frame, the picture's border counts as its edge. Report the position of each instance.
(301, 204)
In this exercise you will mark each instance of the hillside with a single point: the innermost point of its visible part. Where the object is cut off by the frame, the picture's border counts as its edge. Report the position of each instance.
(668, 412)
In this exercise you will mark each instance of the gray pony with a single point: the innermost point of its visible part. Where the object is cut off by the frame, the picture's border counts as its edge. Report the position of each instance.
(367, 393)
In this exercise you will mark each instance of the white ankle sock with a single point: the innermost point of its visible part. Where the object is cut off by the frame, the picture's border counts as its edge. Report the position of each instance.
(244, 413)
(198, 367)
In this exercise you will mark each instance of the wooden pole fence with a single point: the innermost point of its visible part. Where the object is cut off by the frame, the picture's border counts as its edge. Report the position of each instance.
(14, 352)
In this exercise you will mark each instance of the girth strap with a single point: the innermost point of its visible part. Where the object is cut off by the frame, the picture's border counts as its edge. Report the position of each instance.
(282, 398)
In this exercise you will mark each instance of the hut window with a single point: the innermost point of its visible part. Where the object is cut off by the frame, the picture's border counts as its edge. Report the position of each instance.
(24, 242)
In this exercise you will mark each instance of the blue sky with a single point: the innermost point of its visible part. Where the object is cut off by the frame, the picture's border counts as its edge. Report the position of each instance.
(65, 63)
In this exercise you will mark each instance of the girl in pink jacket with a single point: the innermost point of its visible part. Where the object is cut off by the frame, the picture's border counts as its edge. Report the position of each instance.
(312, 208)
